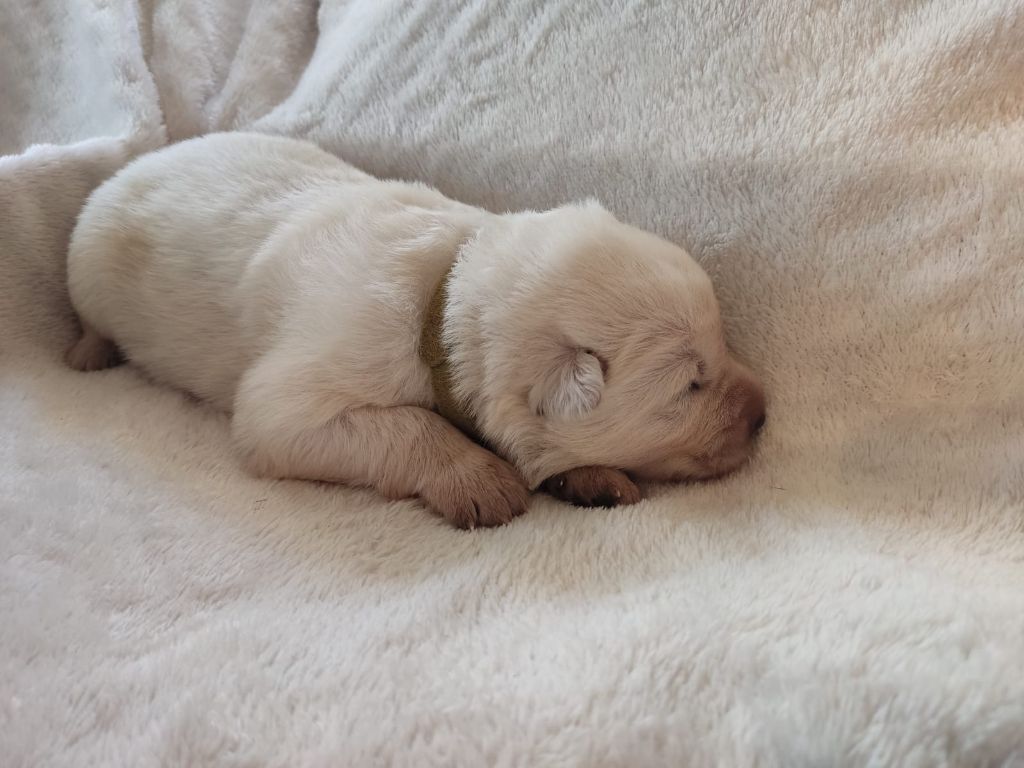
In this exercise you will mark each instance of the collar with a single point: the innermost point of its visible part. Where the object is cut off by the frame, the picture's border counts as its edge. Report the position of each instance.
(434, 354)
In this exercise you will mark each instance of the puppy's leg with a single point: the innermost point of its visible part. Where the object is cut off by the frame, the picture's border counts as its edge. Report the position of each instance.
(401, 451)
(92, 352)
(593, 487)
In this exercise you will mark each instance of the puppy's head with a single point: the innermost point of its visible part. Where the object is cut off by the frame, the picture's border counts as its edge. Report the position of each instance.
(600, 344)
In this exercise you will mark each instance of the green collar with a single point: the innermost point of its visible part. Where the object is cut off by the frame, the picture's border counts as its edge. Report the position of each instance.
(434, 354)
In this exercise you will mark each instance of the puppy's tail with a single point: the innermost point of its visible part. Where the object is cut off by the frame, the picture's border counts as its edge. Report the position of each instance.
(93, 352)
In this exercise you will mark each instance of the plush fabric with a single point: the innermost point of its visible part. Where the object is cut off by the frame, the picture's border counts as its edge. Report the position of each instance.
(851, 176)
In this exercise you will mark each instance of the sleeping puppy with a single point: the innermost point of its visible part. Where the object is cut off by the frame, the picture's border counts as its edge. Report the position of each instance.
(377, 333)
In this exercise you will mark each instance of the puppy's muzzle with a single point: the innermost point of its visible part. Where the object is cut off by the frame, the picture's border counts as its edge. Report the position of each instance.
(753, 411)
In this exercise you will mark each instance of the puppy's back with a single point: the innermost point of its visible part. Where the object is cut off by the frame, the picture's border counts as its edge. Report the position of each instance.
(157, 258)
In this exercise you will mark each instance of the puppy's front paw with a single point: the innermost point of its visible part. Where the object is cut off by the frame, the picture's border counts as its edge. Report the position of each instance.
(478, 490)
(593, 487)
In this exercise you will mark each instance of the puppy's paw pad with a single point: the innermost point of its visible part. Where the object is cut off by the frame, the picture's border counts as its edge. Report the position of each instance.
(593, 487)
(93, 353)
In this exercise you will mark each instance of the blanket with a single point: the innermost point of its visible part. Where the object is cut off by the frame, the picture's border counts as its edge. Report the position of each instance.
(851, 176)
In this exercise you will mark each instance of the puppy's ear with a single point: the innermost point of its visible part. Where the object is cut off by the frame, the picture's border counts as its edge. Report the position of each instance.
(571, 388)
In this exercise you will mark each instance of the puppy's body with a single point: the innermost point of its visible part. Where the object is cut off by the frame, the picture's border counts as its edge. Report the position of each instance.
(197, 260)
(276, 282)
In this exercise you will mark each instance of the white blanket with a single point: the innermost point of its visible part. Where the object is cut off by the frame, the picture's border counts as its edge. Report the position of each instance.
(852, 177)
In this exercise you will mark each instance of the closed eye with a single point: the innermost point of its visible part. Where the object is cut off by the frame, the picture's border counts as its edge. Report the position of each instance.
(691, 389)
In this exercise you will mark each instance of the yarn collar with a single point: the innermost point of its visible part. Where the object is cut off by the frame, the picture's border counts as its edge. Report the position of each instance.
(434, 354)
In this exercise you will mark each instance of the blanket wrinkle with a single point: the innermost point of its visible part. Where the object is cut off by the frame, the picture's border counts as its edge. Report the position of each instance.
(849, 174)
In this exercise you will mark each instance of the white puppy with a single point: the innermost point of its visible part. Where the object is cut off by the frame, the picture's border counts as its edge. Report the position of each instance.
(334, 314)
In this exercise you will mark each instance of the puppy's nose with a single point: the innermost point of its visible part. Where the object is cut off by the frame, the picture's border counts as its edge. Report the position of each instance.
(753, 412)
(756, 426)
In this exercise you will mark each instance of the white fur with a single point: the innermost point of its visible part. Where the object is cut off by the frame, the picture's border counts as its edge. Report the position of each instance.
(848, 173)
(572, 387)
(212, 256)
(280, 284)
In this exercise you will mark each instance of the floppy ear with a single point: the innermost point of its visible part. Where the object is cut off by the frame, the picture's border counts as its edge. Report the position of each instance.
(571, 388)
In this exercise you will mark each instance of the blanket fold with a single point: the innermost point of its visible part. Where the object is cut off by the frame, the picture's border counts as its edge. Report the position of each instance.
(849, 174)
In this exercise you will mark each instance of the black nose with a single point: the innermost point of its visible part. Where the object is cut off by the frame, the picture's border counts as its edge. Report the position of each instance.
(756, 425)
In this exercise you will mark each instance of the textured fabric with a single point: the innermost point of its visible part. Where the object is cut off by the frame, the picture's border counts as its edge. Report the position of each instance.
(432, 352)
(851, 176)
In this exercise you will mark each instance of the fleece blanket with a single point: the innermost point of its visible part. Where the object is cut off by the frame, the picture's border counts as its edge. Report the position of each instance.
(851, 174)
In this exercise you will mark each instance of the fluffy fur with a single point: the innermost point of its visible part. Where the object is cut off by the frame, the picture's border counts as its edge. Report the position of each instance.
(280, 284)
(849, 174)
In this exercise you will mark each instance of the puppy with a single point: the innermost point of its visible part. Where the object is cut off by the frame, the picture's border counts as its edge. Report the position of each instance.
(349, 324)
